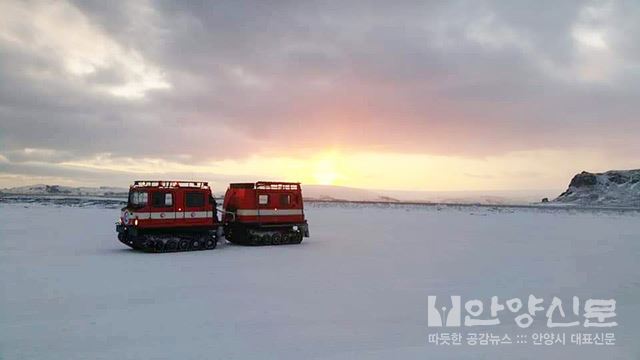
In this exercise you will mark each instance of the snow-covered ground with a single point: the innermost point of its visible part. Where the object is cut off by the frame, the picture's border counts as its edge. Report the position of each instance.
(357, 289)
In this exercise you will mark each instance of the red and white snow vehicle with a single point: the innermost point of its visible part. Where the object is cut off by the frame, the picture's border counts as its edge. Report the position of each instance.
(166, 216)
(169, 216)
(264, 213)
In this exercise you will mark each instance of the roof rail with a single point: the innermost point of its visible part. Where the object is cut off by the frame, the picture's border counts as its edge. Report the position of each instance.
(242, 185)
(267, 185)
(171, 183)
(277, 185)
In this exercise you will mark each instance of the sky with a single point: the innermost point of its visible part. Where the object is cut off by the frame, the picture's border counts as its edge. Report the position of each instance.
(404, 95)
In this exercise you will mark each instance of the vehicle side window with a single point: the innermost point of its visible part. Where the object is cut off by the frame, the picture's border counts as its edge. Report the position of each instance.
(285, 199)
(195, 199)
(161, 199)
(138, 198)
(263, 199)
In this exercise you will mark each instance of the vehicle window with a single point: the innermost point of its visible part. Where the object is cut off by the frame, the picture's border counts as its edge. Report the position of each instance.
(195, 199)
(285, 199)
(138, 198)
(263, 199)
(161, 199)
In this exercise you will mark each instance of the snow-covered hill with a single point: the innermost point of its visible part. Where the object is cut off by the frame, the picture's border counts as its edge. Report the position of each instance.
(612, 188)
(490, 197)
(342, 193)
(42, 189)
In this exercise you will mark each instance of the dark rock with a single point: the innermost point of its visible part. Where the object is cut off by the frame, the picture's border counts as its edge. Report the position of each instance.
(53, 189)
(584, 179)
(566, 193)
(617, 178)
(545, 200)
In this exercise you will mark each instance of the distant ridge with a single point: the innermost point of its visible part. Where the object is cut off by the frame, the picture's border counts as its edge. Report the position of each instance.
(315, 192)
(43, 189)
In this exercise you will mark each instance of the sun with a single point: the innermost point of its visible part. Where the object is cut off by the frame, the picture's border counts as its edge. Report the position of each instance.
(325, 178)
(325, 172)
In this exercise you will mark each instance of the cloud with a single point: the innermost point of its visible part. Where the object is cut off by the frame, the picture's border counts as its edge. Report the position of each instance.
(203, 82)
(73, 47)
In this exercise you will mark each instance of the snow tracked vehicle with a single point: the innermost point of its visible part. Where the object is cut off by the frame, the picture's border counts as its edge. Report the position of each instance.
(264, 213)
(167, 216)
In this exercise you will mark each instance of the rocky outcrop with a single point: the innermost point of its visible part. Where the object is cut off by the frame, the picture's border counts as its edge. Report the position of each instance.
(611, 188)
(583, 179)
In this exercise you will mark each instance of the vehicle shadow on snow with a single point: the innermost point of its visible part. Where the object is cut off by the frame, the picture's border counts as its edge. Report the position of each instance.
(120, 251)
(221, 245)
(225, 243)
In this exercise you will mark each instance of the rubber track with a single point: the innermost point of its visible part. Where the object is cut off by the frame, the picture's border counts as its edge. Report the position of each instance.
(265, 238)
(168, 243)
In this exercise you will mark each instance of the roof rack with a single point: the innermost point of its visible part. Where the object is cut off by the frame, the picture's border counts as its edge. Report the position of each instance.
(273, 185)
(267, 185)
(242, 185)
(171, 184)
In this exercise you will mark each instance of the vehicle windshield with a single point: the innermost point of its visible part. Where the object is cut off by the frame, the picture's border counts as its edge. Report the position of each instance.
(138, 198)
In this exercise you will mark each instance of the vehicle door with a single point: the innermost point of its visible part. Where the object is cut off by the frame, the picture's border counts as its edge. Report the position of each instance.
(163, 212)
(195, 207)
(264, 204)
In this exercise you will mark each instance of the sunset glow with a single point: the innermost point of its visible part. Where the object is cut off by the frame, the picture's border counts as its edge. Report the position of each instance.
(325, 172)
(371, 170)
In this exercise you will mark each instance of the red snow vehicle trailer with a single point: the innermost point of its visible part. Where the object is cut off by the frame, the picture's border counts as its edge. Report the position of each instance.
(264, 213)
(165, 216)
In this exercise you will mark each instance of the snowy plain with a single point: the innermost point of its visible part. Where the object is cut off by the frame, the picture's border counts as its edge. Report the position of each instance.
(357, 289)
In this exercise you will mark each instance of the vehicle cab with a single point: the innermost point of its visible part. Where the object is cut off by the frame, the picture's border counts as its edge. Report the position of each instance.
(168, 204)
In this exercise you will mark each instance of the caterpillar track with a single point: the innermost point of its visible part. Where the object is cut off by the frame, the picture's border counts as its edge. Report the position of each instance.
(165, 243)
(254, 237)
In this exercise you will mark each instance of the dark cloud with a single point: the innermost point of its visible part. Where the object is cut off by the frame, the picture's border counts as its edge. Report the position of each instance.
(470, 78)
